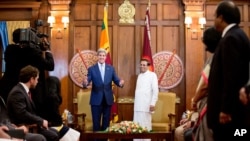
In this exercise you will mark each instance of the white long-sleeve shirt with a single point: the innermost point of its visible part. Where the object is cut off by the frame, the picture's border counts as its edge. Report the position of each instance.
(146, 92)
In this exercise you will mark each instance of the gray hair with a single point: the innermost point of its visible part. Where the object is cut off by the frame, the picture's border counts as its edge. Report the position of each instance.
(101, 50)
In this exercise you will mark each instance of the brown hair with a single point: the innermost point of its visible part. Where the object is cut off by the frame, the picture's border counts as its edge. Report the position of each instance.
(28, 72)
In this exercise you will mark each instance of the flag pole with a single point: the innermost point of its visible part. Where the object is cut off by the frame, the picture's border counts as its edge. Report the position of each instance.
(107, 3)
(79, 52)
(149, 3)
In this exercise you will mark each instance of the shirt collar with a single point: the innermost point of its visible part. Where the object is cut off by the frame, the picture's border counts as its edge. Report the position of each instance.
(99, 64)
(227, 28)
(145, 72)
(25, 87)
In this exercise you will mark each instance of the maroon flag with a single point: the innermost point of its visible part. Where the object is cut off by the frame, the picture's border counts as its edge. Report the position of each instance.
(146, 53)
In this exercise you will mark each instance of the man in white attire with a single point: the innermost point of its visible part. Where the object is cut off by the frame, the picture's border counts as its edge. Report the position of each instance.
(146, 96)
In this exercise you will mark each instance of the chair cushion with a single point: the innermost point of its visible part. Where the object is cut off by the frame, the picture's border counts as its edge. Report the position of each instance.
(83, 106)
(160, 126)
(88, 126)
(164, 106)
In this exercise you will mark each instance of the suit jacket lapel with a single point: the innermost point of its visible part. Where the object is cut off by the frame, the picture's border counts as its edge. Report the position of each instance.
(30, 102)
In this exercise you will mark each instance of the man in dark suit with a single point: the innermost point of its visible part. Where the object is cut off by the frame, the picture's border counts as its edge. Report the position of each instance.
(19, 55)
(229, 72)
(101, 76)
(21, 108)
(6, 125)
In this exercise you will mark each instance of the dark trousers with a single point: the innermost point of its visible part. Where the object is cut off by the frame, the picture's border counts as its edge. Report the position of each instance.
(50, 134)
(34, 137)
(100, 116)
(188, 134)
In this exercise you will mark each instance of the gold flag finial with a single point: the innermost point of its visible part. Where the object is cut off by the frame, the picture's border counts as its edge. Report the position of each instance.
(107, 3)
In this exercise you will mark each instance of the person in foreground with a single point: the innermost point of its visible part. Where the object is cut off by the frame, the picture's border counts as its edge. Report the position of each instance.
(146, 96)
(53, 102)
(211, 38)
(21, 108)
(6, 125)
(101, 76)
(229, 72)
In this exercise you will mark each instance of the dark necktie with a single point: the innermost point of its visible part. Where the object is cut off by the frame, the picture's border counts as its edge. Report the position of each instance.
(30, 97)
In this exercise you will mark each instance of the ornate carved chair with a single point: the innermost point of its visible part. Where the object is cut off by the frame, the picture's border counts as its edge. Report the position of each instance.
(164, 117)
(83, 118)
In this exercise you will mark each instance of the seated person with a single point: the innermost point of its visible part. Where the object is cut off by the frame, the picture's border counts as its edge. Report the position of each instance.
(6, 125)
(54, 100)
(211, 39)
(22, 110)
(186, 125)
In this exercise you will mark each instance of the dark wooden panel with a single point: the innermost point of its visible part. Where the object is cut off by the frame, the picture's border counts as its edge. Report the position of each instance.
(126, 58)
(170, 12)
(210, 11)
(15, 15)
(170, 38)
(125, 111)
(82, 12)
(82, 38)
(194, 61)
(59, 49)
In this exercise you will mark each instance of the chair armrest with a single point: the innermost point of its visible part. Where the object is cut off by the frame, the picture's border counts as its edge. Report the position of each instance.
(76, 124)
(171, 117)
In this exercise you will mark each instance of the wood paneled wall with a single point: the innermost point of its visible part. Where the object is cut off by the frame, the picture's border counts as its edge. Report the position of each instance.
(168, 32)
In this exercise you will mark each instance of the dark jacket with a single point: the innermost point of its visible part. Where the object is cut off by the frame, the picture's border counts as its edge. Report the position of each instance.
(53, 101)
(102, 90)
(229, 72)
(21, 109)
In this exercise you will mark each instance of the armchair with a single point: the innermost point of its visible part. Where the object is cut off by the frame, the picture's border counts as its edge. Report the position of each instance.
(164, 117)
(83, 117)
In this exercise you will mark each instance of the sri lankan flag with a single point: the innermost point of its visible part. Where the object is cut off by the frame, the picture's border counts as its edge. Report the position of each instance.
(104, 40)
(104, 43)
